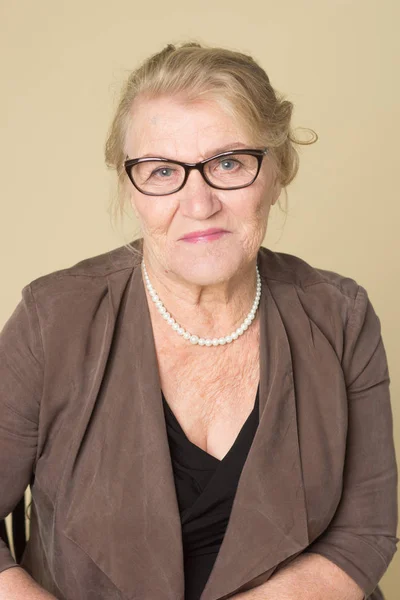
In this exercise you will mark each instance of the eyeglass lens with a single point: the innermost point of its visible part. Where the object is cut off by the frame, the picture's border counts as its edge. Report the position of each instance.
(159, 177)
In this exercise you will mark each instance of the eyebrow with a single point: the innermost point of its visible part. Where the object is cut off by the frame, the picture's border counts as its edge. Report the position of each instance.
(225, 147)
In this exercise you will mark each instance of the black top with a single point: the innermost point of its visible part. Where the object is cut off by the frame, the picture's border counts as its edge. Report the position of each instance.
(205, 488)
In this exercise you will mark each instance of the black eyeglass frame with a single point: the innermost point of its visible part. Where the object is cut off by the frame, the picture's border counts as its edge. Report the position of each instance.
(199, 166)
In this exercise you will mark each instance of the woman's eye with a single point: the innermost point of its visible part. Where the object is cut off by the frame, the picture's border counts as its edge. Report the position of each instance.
(228, 164)
(164, 173)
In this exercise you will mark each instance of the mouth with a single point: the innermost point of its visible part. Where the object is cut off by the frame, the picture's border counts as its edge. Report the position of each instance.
(205, 236)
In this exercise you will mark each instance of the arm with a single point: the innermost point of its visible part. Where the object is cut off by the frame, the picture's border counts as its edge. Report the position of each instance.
(21, 380)
(307, 577)
(349, 558)
(17, 584)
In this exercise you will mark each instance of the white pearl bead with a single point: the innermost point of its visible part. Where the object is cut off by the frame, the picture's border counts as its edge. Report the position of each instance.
(180, 330)
(175, 326)
(215, 342)
(222, 341)
(229, 338)
(202, 341)
(208, 343)
(186, 335)
(194, 339)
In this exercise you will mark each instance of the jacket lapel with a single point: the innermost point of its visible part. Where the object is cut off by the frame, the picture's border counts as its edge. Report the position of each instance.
(119, 502)
(268, 522)
(125, 515)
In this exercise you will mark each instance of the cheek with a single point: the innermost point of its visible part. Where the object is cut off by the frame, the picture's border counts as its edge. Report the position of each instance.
(154, 215)
(254, 208)
(253, 213)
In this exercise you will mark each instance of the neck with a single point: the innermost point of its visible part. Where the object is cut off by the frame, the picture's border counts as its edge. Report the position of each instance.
(206, 310)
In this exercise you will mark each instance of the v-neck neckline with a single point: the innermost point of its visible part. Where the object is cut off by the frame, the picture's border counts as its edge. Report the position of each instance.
(214, 461)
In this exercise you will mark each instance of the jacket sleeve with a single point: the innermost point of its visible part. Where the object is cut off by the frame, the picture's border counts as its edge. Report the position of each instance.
(21, 380)
(361, 537)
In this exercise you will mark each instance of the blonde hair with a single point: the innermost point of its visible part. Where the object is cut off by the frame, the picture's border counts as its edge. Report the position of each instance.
(195, 71)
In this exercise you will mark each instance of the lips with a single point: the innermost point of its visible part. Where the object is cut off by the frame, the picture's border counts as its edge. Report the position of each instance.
(202, 233)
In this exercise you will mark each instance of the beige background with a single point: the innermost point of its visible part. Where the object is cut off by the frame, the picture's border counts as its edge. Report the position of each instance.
(337, 60)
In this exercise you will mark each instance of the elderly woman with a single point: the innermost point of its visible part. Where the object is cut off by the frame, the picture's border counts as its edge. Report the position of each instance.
(197, 415)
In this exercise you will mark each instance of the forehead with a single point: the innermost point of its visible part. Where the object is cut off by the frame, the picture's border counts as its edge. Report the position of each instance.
(170, 127)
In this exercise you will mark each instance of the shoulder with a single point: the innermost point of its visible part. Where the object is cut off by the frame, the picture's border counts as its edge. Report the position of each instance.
(91, 272)
(283, 269)
(320, 302)
(330, 299)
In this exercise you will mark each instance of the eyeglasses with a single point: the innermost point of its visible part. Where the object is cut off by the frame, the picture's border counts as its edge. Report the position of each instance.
(230, 170)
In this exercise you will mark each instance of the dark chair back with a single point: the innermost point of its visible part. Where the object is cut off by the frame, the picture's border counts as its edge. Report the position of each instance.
(18, 530)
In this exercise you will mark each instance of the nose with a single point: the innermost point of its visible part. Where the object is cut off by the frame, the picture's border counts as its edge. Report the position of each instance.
(198, 199)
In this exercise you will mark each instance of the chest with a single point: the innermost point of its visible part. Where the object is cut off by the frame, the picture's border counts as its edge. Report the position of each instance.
(211, 391)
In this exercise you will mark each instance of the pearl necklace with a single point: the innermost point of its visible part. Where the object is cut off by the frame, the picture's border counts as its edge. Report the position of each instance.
(194, 339)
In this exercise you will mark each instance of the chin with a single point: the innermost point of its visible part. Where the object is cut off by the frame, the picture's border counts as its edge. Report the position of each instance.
(207, 271)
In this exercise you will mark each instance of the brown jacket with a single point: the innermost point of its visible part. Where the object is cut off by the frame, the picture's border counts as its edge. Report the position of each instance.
(82, 422)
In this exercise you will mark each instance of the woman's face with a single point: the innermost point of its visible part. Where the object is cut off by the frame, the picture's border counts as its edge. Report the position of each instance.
(168, 128)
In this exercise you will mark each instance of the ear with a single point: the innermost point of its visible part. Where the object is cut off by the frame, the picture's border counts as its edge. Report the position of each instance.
(132, 203)
(134, 208)
(276, 190)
